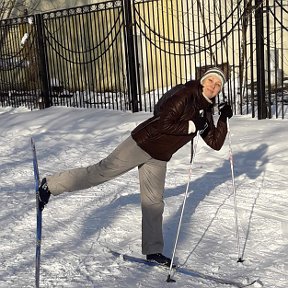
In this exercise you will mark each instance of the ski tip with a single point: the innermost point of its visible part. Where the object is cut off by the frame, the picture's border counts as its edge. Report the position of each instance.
(170, 280)
(258, 283)
(255, 283)
(114, 253)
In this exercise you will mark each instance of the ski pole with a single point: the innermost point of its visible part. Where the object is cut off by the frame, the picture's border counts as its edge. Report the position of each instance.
(169, 279)
(234, 190)
(39, 216)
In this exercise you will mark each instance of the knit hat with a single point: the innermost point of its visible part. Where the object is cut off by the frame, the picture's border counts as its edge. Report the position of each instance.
(214, 71)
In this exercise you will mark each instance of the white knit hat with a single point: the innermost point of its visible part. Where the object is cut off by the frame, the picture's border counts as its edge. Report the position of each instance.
(215, 71)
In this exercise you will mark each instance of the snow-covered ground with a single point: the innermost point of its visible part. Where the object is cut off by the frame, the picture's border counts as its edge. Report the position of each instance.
(80, 229)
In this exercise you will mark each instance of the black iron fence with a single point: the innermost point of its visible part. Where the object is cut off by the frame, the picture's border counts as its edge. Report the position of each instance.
(125, 54)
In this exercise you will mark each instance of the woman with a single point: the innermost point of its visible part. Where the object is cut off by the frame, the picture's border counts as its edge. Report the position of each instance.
(149, 147)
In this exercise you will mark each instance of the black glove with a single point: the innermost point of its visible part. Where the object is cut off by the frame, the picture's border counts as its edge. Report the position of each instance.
(200, 124)
(225, 111)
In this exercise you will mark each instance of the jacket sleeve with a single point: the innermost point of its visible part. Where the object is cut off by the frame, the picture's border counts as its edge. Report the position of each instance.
(215, 136)
(171, 120)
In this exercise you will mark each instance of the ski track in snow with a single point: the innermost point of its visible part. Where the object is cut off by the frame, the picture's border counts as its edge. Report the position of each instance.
(80, 228)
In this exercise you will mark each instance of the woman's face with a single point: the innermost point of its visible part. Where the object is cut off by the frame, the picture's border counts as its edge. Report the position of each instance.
(211, 86)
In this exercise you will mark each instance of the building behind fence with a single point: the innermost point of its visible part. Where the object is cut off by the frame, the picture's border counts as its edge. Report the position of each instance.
(125, 54)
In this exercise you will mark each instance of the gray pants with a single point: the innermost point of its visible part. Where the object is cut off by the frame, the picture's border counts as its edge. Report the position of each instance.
(125, 157)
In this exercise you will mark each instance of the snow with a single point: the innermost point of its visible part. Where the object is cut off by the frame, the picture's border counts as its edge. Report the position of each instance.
(80, 229)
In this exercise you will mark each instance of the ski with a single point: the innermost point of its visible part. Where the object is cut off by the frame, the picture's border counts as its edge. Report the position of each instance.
(185, 271)
(215, 279)
(38, 215)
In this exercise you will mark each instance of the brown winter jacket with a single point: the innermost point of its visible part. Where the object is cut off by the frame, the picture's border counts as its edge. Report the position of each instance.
(161, 136)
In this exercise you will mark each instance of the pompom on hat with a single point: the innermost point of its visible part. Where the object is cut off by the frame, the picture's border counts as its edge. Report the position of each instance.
(214, 71)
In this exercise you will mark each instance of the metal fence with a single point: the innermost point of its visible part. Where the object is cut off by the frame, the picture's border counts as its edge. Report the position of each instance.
(125, 54)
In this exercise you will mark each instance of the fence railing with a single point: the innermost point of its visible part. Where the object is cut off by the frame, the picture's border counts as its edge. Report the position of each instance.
(124, 55)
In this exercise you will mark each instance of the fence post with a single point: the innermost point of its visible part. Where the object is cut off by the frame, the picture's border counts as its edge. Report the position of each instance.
(130, 55)
(262, 107)
(42, 59)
